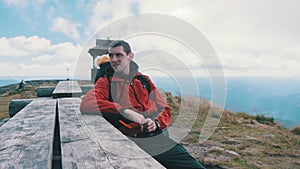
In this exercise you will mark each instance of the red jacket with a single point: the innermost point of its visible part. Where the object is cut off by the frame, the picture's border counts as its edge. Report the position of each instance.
(127, 94)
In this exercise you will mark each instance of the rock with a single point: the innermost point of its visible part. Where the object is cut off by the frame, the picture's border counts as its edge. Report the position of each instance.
(232, 153)
(214, 148)
(250, 138)
(24, 85)
(231, 141)
(252, 125)
(210, 161)
(270, 136)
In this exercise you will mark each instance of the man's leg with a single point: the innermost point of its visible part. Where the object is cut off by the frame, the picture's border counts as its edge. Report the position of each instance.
(178, 158)
(168, 152)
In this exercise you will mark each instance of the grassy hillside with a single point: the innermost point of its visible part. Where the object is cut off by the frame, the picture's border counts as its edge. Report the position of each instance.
(239, 140)
(10, 92)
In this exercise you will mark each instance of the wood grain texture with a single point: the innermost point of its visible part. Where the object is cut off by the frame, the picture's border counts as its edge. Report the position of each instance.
(89, 141)
(67, 89)
(26, 140)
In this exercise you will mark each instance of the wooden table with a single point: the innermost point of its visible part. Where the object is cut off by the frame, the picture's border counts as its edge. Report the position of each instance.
(89, 141)
(67, 89)
(53, 133)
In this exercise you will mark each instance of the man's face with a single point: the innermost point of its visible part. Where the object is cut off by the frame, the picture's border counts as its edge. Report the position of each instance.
(119, 60)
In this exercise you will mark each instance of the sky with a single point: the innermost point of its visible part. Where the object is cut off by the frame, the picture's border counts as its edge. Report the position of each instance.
(50, 38)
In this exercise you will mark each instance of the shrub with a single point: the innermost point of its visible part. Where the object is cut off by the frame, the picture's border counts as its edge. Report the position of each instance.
(264, 120)
(296, 130)
(245, 115)
(169, 100)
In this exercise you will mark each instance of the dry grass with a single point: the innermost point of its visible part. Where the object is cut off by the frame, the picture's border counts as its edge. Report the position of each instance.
(12, 92)
(296, 130)
(256, 144)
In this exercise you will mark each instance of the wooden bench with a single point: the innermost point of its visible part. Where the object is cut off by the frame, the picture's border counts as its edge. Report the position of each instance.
(45, 91)
(16, 105)
(27, 139)
(67, 89)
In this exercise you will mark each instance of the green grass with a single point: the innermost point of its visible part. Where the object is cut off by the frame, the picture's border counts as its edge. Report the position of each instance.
(264, 120)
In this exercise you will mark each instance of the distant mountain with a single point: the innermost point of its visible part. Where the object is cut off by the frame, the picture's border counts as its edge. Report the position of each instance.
(4, 82)
(277, 97)
(287, 123)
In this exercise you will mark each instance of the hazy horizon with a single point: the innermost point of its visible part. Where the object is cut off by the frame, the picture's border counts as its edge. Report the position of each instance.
(272, 96)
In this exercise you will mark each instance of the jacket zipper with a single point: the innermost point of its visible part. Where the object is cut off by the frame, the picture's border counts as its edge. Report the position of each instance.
(136, 97)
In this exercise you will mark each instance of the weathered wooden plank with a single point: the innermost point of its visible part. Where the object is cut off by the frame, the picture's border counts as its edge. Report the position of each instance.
(121, 151)
(67, 89)
(26, 140)
(78, 150)
(89, 141)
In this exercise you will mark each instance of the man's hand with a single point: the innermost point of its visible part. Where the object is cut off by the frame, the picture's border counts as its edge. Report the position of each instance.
(133, 116)
(148, 125)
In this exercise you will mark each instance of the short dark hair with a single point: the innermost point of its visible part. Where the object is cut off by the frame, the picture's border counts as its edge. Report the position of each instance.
(123, 43)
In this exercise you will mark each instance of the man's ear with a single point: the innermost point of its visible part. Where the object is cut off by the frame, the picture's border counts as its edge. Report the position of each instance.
(131, 55)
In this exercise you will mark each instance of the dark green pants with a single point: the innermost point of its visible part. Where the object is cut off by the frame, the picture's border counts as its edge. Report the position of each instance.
(177, 158)
(167, 152)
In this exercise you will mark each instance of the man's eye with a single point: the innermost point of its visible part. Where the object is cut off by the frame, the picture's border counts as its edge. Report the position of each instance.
(110, 55)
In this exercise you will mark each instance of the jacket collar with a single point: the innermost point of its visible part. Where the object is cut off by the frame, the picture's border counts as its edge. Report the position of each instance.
(133, 71)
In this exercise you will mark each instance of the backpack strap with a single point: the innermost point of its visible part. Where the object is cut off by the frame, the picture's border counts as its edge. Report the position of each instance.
(109, 89)
(145, 82)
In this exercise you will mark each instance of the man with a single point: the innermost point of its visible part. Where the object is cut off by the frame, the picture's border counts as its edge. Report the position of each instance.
(140, 114)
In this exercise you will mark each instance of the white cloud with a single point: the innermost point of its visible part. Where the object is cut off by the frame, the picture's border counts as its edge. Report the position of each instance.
(22, 46)
(250, 37)
(106, 11)
(24, 3)
(37, 56)
(24, 69)
(66, 27)
(31, 44)
(66, 51)
(42, 58)
(9, 49)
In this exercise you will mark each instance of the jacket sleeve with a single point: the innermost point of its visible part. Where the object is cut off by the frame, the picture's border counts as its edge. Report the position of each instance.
(97, 99)
(164, 116)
